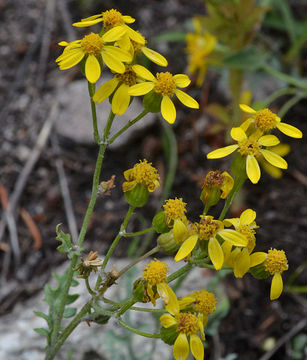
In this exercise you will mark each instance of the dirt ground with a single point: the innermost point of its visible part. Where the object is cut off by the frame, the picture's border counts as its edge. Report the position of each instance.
(29, 83)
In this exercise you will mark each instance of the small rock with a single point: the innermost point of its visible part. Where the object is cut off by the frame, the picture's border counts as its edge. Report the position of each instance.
(75, 120)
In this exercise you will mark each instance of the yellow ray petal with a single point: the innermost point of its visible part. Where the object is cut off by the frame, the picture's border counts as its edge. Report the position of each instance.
(113, 63)
(181, 347)
(215, 253)
(222, 152)
(197, 347)
(167, 320)
(114, 34)
(247, 109)
(245, 125)
(86, 23)
(276, 286)
(241, 263)
(269, 140)
(274, 159)
(169, 298)
(168, 110)
(289, 130)
(235, 238)
(105, 90)
(186, 99)
(135, 36)
(180, 231)
(247, 217)
(128, 19)
(143, 72)
(121, 100)
(252, 169)
(154, 56)
(73, 59)
(186, 248)
(238, 134)
(141, 89)
(257, 258)
(92, 69)
(118, 53)
(182, 80)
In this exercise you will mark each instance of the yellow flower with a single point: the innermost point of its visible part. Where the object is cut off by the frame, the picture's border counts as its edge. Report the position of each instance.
(136, 48)
(166, 85)
(241, 260)
(216, 180)
(120, 85)
(92, 47)
(266, 120)
(202, 302)
(155, 275)
(174, 209)
(275, 263)
(199, 46)
(187, 324)
(252, 148)
(209, 229)
(141, 173)
(110, 19)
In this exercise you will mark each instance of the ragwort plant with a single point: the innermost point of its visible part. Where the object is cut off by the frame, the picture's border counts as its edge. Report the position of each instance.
(214, 243)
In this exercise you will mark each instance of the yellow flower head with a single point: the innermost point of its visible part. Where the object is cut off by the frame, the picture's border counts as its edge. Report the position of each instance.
(266, 120)
(142, 173)
(242, 259)
(155, 272)
(219, 180)
(187, 324)
(174, 209)
(92, 47)
(275, 263)
(200, 45)
(119, 85)
(207, 230)
(252, 148)
(203, 302)
(113, 19)
(165, 84)
(155, 275)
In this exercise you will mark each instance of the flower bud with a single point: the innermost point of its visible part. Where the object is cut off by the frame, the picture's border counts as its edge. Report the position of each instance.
(138, 196)
(159, 223)
(152, 102)
(139, 291)
(167, 243)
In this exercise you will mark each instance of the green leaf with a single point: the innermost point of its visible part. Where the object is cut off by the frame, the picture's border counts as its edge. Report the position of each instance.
(42, 315)
(65, 239)
(71, 298)
(42, 331)
(248, 59)
(69, 312)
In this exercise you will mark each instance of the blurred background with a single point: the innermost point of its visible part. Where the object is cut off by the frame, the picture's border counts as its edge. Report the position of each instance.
(47, 155)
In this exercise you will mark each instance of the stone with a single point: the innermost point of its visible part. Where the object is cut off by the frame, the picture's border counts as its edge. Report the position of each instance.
(75, 121)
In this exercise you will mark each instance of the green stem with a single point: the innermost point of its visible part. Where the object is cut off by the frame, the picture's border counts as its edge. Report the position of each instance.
(146, 255)
(91, 91)
(287, 78)
(142, 333)
(179, 272)
(126, 306)
(127, 126)
(289, 104)
(113, 246)
(236, 187)
(67, 331)
(137, 233)
(278, 93)
(158, 311)
(88, 286)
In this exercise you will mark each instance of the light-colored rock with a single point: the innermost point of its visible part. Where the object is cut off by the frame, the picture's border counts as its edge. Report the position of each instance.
(75, 119)
(18, 341)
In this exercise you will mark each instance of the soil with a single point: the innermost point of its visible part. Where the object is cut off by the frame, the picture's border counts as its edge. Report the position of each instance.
(29, 80)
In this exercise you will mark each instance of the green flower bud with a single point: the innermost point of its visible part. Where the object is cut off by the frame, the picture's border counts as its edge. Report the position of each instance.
(152, 102)
(138, 196)
(139, 291)
(159, 223)
(169, 335)
(167, 243)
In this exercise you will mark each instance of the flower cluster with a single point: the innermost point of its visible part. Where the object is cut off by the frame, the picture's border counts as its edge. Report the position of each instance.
(118, 47)
(255, 143)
